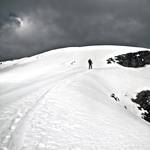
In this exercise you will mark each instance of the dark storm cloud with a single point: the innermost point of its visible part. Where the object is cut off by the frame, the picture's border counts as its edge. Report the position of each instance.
(50, 24)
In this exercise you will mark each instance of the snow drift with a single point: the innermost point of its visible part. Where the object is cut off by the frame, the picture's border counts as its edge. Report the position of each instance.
(52, 101)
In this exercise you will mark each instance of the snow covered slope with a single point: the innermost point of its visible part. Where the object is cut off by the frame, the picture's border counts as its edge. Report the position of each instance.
(52, 101)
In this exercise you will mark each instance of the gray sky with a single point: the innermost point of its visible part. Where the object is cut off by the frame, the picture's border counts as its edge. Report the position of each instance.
(29, 27)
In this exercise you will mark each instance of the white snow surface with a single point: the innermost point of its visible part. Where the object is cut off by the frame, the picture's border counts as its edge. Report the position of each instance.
(52, 101)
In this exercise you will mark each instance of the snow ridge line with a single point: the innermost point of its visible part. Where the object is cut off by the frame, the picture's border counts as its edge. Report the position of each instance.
(16, 122)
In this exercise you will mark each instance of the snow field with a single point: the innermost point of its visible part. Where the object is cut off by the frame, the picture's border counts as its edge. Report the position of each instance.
(53, 102)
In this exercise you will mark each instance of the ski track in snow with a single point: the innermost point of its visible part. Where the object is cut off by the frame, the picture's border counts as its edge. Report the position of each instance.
(7, 140)
(15, 124)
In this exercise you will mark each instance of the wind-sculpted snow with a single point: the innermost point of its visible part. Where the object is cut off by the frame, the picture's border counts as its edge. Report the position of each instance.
(53, 102)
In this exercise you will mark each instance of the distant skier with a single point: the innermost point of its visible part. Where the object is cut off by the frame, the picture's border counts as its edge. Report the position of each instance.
(90, 63)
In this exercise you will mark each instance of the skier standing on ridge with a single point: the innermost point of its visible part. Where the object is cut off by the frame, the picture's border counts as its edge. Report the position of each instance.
(90, 63)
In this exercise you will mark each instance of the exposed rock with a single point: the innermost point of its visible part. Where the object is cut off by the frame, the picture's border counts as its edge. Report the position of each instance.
(115, 97)
(136, 60)
(143, 99)
(125, 107)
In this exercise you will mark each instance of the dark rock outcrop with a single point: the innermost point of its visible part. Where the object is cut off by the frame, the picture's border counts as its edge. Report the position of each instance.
(143, 99)
(135, 60)
(115, 97)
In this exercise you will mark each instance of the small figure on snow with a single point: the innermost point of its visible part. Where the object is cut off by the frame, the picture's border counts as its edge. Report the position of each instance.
(90, 63)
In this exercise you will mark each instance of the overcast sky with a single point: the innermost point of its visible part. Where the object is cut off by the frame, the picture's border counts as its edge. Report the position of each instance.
(29, 27)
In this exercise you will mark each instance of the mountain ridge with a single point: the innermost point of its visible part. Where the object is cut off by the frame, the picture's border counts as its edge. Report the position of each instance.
(53, 101)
